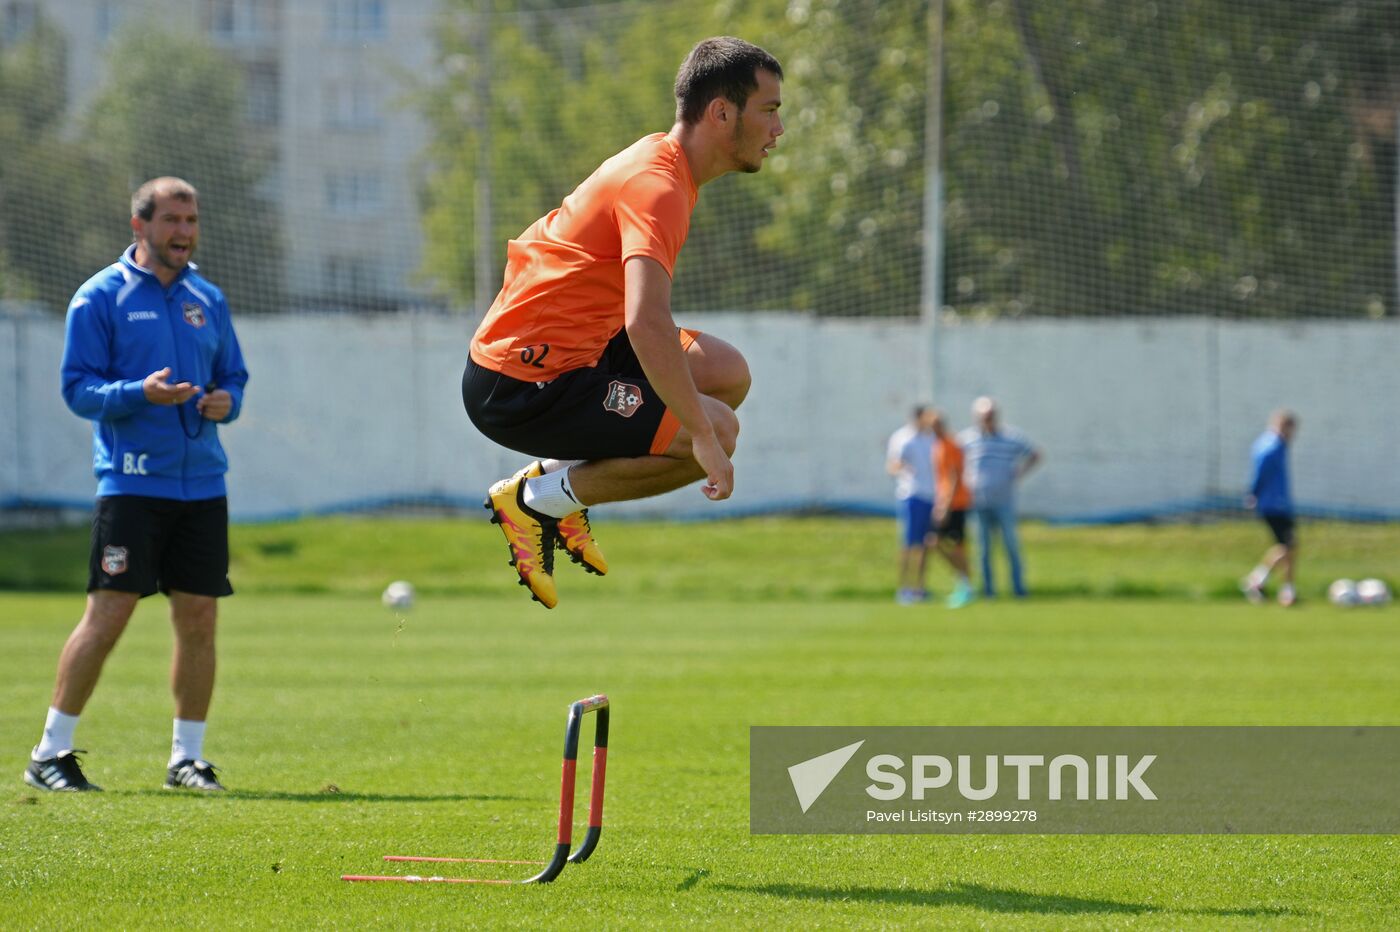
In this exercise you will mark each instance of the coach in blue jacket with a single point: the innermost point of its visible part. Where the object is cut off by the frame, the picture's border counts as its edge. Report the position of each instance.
(150, 357)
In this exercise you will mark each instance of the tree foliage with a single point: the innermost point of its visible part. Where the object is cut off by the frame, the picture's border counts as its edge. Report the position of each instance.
(823, 228)
(174, 105)
(51, 190)
(1170, 157)
(171, 105)
(1099, 156)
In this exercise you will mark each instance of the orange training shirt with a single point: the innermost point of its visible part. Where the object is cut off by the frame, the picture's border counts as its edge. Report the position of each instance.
(562, 300)
(948, 465)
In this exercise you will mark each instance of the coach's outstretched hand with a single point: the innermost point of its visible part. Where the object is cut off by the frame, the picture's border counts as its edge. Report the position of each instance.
(160, 392)
(719, 471)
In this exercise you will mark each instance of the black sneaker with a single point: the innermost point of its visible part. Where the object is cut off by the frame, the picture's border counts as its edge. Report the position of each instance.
(60, 773)
(192, 775)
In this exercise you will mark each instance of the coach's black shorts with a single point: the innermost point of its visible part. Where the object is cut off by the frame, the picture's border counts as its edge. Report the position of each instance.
(608, 410)
(953, 527)
(144, 545)
(1282, 527)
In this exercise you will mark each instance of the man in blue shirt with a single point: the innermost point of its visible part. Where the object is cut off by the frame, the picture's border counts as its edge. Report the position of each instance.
(1270, 495)
(151, 358)
(996, 459)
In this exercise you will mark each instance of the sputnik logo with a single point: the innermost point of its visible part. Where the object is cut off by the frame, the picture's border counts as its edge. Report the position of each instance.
(811, 777)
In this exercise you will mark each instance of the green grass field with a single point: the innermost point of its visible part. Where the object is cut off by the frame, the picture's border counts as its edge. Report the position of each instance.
(347, 732)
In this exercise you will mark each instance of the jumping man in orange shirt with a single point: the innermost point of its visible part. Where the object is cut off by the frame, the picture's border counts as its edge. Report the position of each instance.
(579, 361)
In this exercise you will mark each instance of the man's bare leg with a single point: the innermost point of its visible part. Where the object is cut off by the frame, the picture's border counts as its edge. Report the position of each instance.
(719, 370)
(80, 664)
(905, 563)
(1287, 594)
(194, 618)
(721, 376)
(1253, 583)
(53, 763)
(625, 479)
(955, 555)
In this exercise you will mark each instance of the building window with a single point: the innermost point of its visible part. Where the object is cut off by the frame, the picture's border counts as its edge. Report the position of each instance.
(18, 18)
(355, 20)
(241, 21)
(354, 193)
(264, 94)
(109, 18)
(352, 276)
(352, 105)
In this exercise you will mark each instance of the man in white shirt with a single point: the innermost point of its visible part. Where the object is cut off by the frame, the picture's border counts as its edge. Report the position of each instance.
(909, 458)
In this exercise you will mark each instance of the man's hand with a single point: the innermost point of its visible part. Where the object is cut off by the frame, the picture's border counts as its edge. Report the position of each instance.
(719, 471)
(1028, 464)
(160, 392)
(215, 405)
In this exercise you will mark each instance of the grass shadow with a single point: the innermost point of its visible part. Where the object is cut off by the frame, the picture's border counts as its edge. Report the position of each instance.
(693, 878)
(321, 796)
(990, 899)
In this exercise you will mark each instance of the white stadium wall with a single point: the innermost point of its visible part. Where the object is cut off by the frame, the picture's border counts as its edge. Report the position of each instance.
(10, 373)
(1152, 415)
(1134, 416)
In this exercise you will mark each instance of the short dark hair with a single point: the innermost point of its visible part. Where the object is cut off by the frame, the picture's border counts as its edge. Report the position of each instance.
(143, 202)
(719, 67)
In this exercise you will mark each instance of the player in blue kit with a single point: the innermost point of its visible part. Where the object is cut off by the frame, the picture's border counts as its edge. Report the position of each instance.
(1271, 496)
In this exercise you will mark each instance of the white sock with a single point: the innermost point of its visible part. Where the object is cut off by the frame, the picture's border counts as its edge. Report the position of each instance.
(550, 466)
(551, 495)
(58, 734)
(188, 743)
(1258, 576)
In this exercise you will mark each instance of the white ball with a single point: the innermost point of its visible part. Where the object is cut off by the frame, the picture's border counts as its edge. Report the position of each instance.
(1372, 592)
(1342, 592)
(398, 595)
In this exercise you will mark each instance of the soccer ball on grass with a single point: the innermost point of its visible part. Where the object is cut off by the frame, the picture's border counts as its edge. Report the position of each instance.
(398, 595)
(1372, 592)
(1366, 592)
(1343, 592)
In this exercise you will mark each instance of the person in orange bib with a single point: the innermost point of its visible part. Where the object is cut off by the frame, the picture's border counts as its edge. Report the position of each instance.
(950, 514)
(579, 362)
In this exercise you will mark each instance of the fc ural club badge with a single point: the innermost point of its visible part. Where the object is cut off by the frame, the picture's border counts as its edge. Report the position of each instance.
(623, 399)
(194, 314)
(114, 560)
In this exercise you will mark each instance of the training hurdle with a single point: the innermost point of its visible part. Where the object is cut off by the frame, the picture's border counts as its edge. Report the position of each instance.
(562, 857)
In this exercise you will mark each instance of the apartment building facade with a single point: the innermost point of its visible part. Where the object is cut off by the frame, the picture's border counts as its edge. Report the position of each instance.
(329, 88)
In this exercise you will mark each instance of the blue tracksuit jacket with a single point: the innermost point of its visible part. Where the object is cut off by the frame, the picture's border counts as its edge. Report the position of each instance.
(122, 326)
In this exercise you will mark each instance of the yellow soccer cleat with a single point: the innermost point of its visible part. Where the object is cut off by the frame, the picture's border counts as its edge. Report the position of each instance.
(575, 534)
(529, 535)
(576, 537)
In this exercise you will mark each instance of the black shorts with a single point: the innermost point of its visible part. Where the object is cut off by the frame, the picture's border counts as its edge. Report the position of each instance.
(1282, 527)
(145, 545)
(953, 527)
(608, 410)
